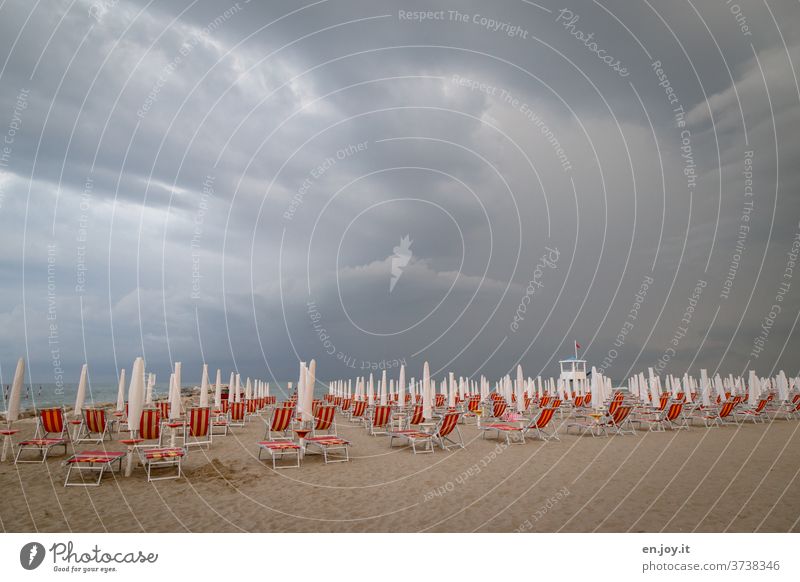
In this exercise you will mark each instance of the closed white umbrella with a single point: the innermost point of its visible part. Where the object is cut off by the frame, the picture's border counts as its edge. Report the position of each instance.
(520, 387)
(597, 388)
(427, 393)
(178, 377)
(383, 388)
(754, 389)
(370, 392)
(204, 387)
(121, 391)
(782, 385)
(401, 387)
(451, 391)
(218, 391)
(308, 396)
(175, 405)
(248, 390)
(81, 396)
(12, 413)
(136, 396)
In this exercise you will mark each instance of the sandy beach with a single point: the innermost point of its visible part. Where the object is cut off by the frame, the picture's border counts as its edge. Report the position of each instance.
(738, 479)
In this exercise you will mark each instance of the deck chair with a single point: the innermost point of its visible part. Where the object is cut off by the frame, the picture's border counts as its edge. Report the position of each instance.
(616, 422)
(498, 409)
(757, 414)
(440, 401)
(380, 418)
(280, 449)
(236, 414)
(536, 426)
(279, 424)
(444, 433)
(359, 411)
(324, 421)
(252, 407)
(788, 410)
(473, 406)
(719, 416)
(155, 455)
(329, 445)
(120, 419)
(92, 462)
(94, 426)
(345, 406)
(670, 418)
(199, 429)
(51, 431)
(163, 408)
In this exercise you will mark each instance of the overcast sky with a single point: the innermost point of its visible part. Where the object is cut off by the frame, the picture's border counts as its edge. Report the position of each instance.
(200, 181)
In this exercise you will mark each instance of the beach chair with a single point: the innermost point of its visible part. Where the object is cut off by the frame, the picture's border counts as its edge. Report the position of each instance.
(473, 406)
(92, 462)
(279, 425)
(163, 408)
(154, 455)
(670, 418)
(618, 422)
(417, 417)
(444, 432)
(324, 421)
(329, 445)
(120, 419)
(757, 414)
(344, 408)
(379, 419)
(252, 407)
(51, 431)
(359, 411)
(94, 427)
(537, 426)
(439, 401)
(719, 416)
(236, 414)
(278, 450)
(788, 410)
(199, 429)
(498, 409)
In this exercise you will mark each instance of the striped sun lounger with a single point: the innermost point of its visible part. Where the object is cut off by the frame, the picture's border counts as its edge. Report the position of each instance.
(93, 462)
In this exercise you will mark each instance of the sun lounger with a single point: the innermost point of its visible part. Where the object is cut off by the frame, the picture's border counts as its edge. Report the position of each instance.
(92, 462)
(51, 431)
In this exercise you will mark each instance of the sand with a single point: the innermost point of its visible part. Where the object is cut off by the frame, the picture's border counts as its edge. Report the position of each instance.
(731, 478)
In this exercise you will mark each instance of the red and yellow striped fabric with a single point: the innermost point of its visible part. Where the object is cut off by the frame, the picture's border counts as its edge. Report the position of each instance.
(166, 453)
(381, 416)
(52, 420)
(279, 445)
(324, 417)
(199, 421)
(237, 410)
(95, 419)
(499, 408)
(439, 400)
(417, 417)
(163, 408)
(545, 416)
(150, 424)
(95, 457)
(281, 418)
(448, 423)
(359, 407)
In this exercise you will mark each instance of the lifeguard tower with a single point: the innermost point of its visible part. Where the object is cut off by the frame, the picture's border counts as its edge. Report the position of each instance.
(573, 374)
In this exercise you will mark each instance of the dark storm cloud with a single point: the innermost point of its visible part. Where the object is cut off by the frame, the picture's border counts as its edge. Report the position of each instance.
(186, 177)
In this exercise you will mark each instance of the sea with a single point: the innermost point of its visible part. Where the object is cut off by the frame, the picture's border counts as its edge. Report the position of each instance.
(36, 396)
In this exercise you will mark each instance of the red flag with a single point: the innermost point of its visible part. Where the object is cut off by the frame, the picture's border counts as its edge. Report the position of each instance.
(577, 346)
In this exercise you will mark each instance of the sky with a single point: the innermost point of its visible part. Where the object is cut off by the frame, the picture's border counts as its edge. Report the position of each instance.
(368, 184)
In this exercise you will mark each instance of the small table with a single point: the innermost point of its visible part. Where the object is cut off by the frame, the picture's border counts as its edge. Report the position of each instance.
(302, 433)
(131, 443)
